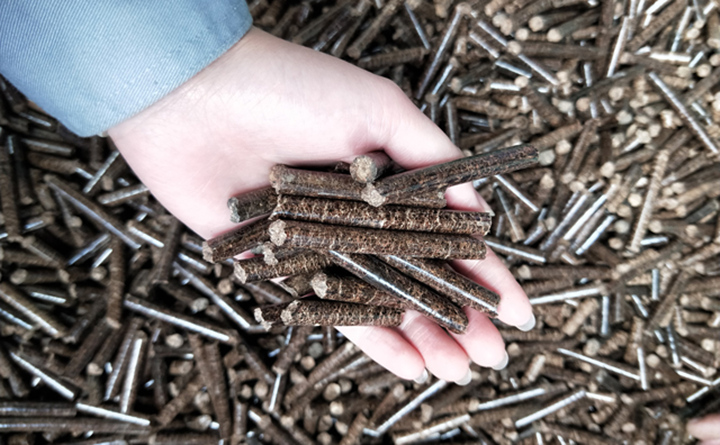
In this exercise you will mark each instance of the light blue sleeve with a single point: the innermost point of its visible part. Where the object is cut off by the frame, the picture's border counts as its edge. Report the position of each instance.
(93, 64)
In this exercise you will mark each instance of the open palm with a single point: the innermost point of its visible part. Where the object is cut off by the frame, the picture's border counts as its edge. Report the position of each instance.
(267, 101)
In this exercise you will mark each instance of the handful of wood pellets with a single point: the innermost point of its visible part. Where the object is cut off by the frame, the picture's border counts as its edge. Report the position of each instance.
(368, 240)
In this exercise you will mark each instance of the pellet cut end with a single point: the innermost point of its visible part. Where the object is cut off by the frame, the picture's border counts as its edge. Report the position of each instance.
(319, 284)
(363, 169)
(372, 196)
(287, 314)
(207, 253)
(277, 232)
(240, 272)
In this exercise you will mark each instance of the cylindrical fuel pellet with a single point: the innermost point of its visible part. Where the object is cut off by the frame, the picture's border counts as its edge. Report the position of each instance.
(373, 241)
(334, 313)
(255, 269)
(383, 277)
(450, 173)
(353, 290)
(460, 289)
(293, 181)
(236, 241)
(391, 217)
(251, 204)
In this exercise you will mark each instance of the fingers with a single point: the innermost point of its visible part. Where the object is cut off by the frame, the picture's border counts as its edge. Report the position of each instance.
(482, 341)
(387, 347)
(443, 356)
(706, 428)
(514, 309)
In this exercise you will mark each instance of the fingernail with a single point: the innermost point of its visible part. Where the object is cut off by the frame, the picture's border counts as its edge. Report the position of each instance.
(503, 363)
(528, 324)
(465, 380)
(423, 377)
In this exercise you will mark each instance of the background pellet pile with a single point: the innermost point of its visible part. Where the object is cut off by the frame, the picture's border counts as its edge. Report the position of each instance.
(112, 324)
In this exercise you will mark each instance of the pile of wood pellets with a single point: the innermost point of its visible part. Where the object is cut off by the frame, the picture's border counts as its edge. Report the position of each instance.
(115, 331)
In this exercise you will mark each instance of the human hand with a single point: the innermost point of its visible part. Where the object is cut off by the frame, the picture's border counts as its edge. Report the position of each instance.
(706, 429)
(266, 102)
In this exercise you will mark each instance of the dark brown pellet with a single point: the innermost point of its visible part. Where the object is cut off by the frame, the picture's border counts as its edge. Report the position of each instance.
(236, 241)
(287, 354)
(91, 210)
(163, 266)
(360, 240)
(251, 204)
(358, 214)
(292, 181)
(207, 357)
(255, 269)
(385, 278)
(334, 313)
(377, 61)
(451, 173)
(44, 321)
(176, 405)
(298, 285)
(116, 284)
(87, 349)
(75, 425)
(446, 282)
(353, 290)
(8, 196)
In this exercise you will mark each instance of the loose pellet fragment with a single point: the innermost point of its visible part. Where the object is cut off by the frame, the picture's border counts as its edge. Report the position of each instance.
(385, 278)
(251, 204)
(360, 240)
(446, 282)
(334, 313)
(390, 217)
(451, 173)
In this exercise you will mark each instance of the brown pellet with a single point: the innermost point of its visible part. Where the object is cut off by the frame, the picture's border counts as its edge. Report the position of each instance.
(352, 290)
(334, 313)
(360, 240)
(390, 217)
(292, 181)
(255, 269)
(445, 281)
(368, 170)
(251, 204)
(8, 196)
(236, 241)
(420, 298)
(451, 173)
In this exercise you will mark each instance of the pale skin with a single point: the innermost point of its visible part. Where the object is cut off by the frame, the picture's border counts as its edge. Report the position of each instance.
(267, 101)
